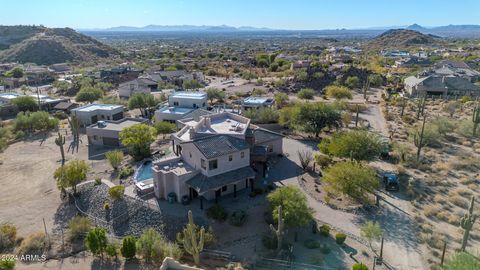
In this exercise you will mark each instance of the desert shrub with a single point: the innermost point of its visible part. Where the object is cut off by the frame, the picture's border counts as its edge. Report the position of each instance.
(340, 238)
(458, 201)
(238, 217)
(111, 250)
(359, 266)
(34, 244)
(96, 241)
(338, 92)
(311, 244)
(263, 115)
(129, 247)
(465, 128)
(439, 199)
(150, 245)
(116, 192)
(8, 236)
(306, 93)
(78, 227)
(325, 230)
(462, 260)
(431, 210)
(465, 99)
(126, 172)
(173, 250)
(106, 206)
(325, 249)
(269, 241)
(7, 264)
(217, 212)
(98, 181)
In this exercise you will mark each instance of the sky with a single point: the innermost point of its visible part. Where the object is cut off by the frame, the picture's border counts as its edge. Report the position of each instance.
(277, 14)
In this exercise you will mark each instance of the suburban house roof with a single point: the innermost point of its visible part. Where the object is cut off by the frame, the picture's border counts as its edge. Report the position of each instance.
(263, 135)
(202, 183)
(219, 145)
(443, 82)
(65, 105)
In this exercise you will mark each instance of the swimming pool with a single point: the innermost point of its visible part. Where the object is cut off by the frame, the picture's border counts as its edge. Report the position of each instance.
(143, 172)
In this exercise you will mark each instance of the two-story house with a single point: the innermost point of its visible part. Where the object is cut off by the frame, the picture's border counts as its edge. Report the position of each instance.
(180, 104)
(212, 158)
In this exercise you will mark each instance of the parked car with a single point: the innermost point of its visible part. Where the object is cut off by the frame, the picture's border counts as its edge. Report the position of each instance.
(390, 180)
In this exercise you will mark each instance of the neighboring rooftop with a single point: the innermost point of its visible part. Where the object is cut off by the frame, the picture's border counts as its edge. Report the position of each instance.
(257, 100)
(118, 125)
(95, 107)
(188, 95)
(175, 110)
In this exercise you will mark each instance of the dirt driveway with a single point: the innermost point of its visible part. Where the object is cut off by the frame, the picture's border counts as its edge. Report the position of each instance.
(29, 192)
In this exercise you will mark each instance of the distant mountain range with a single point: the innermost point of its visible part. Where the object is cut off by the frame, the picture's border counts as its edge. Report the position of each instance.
(458, 31)
(182, 28)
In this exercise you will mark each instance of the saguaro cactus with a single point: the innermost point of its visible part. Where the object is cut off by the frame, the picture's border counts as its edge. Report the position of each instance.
(60, 141)
(467, 222)
(476, 118)
(193, 240)
(418, 139)
(279, 232)
(421, 106)
(404, 103)
(366, 86)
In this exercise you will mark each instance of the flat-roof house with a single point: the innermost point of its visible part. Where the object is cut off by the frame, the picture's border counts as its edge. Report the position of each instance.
(107, 133)
(256, 102)
(92, 113)
(179, 104)
(212, 157)
(139, 85)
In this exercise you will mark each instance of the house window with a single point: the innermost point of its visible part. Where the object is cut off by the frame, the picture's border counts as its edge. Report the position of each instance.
(213, 164)
(95, 137)
(194, 105)
(230, 158)
(224, 188)
(190, 153)
(175, 103)
(242, 154)
(203, 104)
(202, 163)
(270, 148)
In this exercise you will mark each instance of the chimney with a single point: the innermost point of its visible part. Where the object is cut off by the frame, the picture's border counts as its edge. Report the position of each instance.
(208, 122)
(191, 131)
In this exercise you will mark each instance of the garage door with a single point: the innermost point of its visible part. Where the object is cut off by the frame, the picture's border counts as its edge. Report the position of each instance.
(117, 116)
(111, 141)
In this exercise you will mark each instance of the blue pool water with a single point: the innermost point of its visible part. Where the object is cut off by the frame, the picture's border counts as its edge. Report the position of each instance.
(144, 172)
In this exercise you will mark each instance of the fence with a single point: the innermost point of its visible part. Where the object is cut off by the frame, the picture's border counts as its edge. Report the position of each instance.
(266, 263)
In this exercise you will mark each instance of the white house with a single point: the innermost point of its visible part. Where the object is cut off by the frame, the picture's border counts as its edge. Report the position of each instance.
(180, 104)
(92, 113)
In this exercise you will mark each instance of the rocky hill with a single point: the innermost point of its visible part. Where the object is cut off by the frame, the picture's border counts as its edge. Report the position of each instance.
(398, 38)
(45, 46)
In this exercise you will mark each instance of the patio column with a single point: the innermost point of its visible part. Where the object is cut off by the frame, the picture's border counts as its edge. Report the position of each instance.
(190, 193)
(234, 190)
(201, 202)
(173, 146)
(251, 184)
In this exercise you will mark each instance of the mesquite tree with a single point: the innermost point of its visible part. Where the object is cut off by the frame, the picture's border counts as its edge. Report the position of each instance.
(192, 239)
(60, 141)
(279, 232)
(467, 222)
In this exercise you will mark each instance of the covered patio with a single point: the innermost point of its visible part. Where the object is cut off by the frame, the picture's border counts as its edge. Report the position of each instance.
(216, 186)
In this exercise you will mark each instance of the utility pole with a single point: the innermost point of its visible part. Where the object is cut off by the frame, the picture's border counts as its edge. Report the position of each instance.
(46, 233)
(443, 252)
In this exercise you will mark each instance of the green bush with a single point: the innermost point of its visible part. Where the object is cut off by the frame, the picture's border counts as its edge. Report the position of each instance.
(340, 238)
(78, 227)
(359, 266)
(311, 244)
(111, 250)
(238, 217)
(217, 212)
(116, 192)
(8, 236)
(6, 264)
(98, 181)
(96, 241)
(129, 247)
(338, 92)
(325, 230)
(126, 172)
(306, 93)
